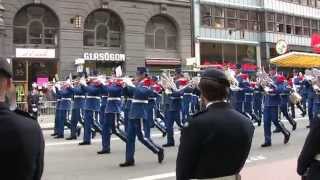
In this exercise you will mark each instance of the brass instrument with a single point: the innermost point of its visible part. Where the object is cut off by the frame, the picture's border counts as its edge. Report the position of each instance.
(234, 84)
(264, 80)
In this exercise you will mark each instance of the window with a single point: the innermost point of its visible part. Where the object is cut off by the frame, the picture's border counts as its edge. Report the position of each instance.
(35, 24)
(312, 3)
(306, 27)
(318, 4)
(289, 23)
(243, 16)
(280, 23)
(103, 28)
(270, 21)
(298, 26)
(206, 16)
(231, 16)
(314, 26)
(161, 33)
(218, 17)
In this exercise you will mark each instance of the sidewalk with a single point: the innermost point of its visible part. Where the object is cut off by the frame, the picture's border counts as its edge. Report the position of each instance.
(46, 121)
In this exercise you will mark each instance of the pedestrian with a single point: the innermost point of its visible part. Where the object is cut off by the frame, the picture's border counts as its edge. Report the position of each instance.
(22, 143)
(33, 102)
(214, 143)
(309, 159)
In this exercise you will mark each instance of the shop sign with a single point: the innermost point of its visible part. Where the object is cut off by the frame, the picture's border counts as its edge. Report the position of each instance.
(315, 42)
(104, 57)
(281, 47)
(35, 53)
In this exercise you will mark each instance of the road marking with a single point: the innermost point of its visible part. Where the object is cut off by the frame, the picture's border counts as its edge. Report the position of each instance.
(173, 174)
(158, 176)
(98, 140)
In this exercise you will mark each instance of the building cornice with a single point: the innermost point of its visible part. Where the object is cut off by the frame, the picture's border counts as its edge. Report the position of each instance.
(183, 3)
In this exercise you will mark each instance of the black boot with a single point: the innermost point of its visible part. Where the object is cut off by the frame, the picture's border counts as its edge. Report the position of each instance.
(127, 164)
(160, 156)
(84, 143)
(71, 138)
(104, 151)
(78, 131)
(54, 134)
(266, 145)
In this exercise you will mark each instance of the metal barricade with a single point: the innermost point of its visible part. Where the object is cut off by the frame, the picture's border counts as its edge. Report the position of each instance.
(46, 110)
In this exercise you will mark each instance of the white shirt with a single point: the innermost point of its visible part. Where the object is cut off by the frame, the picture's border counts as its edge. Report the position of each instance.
(215, 102)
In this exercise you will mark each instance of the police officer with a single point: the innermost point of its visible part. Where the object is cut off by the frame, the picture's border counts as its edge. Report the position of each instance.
(137, 114)
(22, 143)
(270, 112)
(91, 107)
(215, 142)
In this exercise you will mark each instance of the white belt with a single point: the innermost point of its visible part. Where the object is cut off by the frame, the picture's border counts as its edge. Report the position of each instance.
(234, 177)
(58, 100)
(114, 99)
(190, 94)
(93, 97)
(76, 96)
(248, 94)
(153, 99)
(104, 96)
(140, 101)
(175, 97)
(129, 99)
(317, 157)
(67, 99)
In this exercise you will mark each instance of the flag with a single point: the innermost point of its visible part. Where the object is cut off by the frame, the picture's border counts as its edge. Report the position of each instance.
(118, 71)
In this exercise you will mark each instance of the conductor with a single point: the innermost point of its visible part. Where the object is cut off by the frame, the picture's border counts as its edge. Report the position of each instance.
(215, 143)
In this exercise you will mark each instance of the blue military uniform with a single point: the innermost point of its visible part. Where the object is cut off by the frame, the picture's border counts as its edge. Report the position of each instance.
(257, 101)
(128, 94)
(316, 106)
(154, 113)
(186, 103)
(57, 112)
(137, 114)
(238, 96)
(248, 102)
(112, 109)
(270, 114)
(284, 103)
(91, 107)
(310, 98)
(78, 105)
(64, 108)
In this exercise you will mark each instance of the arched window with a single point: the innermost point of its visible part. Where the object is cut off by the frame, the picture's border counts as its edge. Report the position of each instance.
(161, 33)
(103, 28)
(35, 24)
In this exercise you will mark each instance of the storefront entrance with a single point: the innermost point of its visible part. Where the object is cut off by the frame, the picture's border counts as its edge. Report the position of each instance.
(28, 71)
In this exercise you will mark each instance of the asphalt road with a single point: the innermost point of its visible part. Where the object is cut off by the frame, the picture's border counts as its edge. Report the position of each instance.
(65, 160)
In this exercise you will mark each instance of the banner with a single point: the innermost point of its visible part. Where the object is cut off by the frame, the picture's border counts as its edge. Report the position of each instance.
(315, 42)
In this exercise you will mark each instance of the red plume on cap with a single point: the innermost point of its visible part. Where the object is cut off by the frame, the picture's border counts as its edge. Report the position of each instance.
(280, 79)
(147, 82)
(183, 82)
(253, 84)
(157, 88)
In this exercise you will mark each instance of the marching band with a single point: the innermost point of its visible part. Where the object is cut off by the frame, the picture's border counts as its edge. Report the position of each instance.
(130, 107)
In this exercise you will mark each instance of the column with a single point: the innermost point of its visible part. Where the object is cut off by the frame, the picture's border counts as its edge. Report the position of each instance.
(258, 53)
(196, 18)
(2, 31)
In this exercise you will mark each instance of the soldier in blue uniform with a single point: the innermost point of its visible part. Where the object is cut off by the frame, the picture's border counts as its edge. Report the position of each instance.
(128, 96)
(284, 102)
(316, 104)
(57, 112)
(112, 111)
(78, 105)
(270, 113)
(257, 101)
(237, 95)
(297, 85)
(137, 114)
(310, 98)
(173, 111)
(91, 107)
(65, 106)
(248, 101)
(186, 101)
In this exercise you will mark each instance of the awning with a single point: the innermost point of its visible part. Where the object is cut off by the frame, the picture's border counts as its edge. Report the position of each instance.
(163, 61)
(297, 60)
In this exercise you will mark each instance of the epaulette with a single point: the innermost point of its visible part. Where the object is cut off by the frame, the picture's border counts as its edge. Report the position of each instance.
(23, 113)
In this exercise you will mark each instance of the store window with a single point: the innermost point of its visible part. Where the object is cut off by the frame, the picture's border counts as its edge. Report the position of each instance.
(161, 33)
(103, 28)
(231, 16)
(280, 23)
(318, 3)
(35, 24)
(243, 16)
(306, 27)
(314, 26)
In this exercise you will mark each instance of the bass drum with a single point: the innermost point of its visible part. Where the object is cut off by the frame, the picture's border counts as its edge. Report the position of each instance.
(295, 98)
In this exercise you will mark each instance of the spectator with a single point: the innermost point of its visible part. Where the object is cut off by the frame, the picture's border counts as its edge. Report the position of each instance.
(216, 142)
(33, 103)
(22, 144)
(309, 159)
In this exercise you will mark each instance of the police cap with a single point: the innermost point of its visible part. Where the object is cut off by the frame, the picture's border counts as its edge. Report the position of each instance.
(5, 68)
(217, 75)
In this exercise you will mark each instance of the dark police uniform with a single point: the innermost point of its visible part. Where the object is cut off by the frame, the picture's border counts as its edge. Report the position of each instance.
(22, 143)
(309, 159)
(216, 142)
